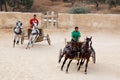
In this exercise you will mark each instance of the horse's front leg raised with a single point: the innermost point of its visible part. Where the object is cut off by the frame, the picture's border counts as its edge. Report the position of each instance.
(61, 56)
(63, 63)
(28, 45)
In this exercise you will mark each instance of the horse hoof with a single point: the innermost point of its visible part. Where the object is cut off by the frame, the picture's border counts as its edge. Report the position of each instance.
(85, 72)
(77, 64)
(17, 42)
(61, 69)
(59, 61)
(66, 72)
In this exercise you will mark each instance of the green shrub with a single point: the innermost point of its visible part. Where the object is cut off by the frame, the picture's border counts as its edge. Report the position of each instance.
(27, 3)
(112, 3)
(80, 10)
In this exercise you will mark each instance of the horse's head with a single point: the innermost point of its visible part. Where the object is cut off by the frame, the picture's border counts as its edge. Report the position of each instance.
(35, 25)
(88, 42)
(18, 28)
(19, 23)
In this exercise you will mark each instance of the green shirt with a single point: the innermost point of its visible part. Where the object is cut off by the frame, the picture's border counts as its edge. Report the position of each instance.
(76, 35)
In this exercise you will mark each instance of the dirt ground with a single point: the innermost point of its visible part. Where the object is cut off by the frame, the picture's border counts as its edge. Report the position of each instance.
(41, 61)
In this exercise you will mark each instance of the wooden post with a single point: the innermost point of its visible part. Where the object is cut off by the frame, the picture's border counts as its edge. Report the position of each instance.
(47, 19)
(50, 19)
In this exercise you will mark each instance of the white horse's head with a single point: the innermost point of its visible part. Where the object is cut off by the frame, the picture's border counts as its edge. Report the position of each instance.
(35, 25)
(18, 27)
(35, 28)
(19, 23)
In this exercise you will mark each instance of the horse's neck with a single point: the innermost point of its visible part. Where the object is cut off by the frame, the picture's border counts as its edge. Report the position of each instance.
(18, 27)
(84, 46)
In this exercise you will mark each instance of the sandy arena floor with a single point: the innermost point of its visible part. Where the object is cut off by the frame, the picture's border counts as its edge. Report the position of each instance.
(41, 61)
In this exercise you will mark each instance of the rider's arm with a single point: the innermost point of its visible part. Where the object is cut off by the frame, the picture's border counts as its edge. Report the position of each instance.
(31, 23)
(79, 35)
(72, 34)
(37, 21)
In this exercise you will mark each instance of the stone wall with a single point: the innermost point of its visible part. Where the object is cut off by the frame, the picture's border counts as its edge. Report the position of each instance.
(89, 20)
(8, 19)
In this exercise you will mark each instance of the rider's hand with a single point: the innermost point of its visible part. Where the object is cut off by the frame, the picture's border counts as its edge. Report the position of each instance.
(73, 39)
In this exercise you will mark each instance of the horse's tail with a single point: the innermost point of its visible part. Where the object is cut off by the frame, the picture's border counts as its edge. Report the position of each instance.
(61, 54)
(93, 55)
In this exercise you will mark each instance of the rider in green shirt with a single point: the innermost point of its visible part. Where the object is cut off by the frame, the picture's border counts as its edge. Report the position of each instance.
(76, 35)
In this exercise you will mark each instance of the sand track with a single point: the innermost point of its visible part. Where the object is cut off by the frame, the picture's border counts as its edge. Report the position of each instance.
(40, 62)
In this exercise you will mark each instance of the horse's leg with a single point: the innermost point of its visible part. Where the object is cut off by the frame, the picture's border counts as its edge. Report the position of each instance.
(22, 38)
(83, 61)
(63, 63)
(68, 66)
(36, 37)
(28, 45)
(86, 65)
(18, 39)
(15, 36)
(33, 40)
(61, 56)
(80, 64)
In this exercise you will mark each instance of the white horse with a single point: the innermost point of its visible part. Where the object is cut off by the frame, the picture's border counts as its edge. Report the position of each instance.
(33, 35)
(18, 33)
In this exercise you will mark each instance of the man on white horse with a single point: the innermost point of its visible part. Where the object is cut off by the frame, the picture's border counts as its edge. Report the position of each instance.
(35, 29)
(33, 35)
(33, 20)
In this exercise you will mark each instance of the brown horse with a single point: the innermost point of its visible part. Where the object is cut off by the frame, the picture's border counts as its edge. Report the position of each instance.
(86, 52)
(72, 52)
